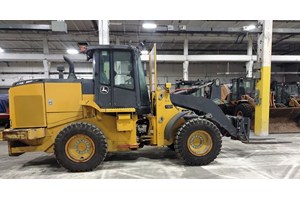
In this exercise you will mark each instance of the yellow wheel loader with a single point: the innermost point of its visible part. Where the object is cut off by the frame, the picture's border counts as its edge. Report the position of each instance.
(286, 94)
(80, 120)
(285, 108)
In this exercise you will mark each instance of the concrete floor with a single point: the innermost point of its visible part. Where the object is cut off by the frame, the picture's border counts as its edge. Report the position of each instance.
(275, 158)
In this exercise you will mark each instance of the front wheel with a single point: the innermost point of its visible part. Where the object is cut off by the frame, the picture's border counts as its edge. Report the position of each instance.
(198, 142)
(244, 110)
(80, 147)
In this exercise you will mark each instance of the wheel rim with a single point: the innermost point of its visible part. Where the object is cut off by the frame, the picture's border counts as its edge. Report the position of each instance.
(199, 143)
(80, 148)
(239, 113)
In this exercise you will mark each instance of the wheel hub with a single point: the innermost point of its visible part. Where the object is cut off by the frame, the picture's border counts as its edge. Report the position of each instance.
(80, 148)
(199, 143)
(196, 141)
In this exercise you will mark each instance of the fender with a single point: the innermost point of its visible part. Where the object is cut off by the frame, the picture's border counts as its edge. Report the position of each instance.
(92, 104)
(171, 123)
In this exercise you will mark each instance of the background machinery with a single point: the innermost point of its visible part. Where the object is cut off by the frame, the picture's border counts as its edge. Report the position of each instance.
(81, 120)
(285, 107)
(199, 88)
(286, 94)
(282, 119)
(236, 100)
(239, 101)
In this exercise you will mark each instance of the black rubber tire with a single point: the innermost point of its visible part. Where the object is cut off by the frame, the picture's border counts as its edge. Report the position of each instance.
(183, 134)
(246, 109)
(171, 146)
(280, 105)
(86, 129)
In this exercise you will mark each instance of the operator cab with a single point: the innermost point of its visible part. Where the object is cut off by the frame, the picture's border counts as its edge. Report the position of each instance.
(241, 86)
(119, 79)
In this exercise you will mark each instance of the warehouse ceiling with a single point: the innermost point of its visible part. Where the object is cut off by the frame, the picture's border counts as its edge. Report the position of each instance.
(205, 36)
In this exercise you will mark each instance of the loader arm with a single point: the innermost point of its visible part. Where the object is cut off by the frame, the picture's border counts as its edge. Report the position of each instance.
(204, 106)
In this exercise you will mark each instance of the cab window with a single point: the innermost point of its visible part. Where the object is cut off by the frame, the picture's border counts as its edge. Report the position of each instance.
(123, 70)
(104, 68)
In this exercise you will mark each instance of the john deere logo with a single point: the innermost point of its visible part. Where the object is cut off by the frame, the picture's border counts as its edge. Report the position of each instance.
(104, 89)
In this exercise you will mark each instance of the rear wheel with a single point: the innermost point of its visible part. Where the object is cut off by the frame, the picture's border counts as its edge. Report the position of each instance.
(198, 142)
(80, 147)
(244, 110)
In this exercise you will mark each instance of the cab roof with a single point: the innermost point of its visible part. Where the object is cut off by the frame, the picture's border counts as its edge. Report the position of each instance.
(90, 49)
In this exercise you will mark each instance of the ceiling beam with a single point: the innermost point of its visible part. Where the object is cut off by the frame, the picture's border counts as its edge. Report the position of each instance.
(91, 36)
(197, 30)
(58, 26)
(21, 57)
(9, 57)
(26, 27)
(220, 58)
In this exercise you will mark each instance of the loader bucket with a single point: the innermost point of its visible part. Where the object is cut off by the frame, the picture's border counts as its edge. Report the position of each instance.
(284, 120)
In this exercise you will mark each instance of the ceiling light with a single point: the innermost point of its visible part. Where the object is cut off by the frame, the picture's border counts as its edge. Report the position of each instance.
(72, 51)
(1, 50)
(144, 52)
(249, 28)
(115, 23)
(149, 25)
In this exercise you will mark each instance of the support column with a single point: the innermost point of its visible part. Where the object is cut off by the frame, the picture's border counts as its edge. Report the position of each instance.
(45, 46)
(45, 61)
(249, 65)
(103, 31)
(186, 62)
(46, 68)
(264, 52)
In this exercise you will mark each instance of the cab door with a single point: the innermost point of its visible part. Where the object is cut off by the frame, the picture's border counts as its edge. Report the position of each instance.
(123, 79)
(115, 78)
(102, 78)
